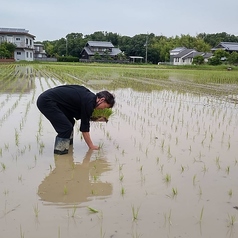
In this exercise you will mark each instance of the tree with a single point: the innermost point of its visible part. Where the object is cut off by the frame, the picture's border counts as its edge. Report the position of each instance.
(233, 58)
(198, 59)
(221, 54)
(214, 39)
(214, 60)
(97, 56)
(7, 50)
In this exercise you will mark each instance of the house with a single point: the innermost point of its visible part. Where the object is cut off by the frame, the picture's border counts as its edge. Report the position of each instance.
(39, 52)
(184, 56)
(99, 48)
(23, 40)
(227, 46)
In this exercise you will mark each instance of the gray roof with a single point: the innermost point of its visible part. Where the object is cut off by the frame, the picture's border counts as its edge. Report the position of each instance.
(178, 49)
(100, 44)
(231, 46)
(192, 55)
(184, 53)
(15, 31)
(115, 51)
(207, 55)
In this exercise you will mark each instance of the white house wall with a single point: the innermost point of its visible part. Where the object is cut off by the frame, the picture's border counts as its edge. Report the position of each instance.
(180, 61)
(22, 54)
(24, 46)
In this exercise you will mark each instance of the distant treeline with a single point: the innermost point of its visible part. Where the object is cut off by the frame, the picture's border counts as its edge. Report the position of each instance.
(157, 47)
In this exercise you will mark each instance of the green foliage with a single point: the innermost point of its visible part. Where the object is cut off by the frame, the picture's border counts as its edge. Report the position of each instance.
(97, 56)
(198, 59)
(221, 54)
(7, 50)
(214, 60)
(233, 58)
(158, 47)
(67, 59)
(214, 39)
(101, 114)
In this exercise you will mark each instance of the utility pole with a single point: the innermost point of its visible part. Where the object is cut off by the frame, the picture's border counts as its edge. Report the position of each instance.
(146, 48)
(66, 46)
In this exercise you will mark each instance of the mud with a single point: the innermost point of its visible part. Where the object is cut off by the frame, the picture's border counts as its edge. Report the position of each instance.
(167, 167)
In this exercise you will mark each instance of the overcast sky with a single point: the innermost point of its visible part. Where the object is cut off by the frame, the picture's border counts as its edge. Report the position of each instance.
(54, 19)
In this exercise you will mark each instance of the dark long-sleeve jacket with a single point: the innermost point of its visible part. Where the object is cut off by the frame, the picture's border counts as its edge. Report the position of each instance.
(74, 101)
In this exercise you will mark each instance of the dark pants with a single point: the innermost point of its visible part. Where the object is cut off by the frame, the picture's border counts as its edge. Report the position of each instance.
(62, 124)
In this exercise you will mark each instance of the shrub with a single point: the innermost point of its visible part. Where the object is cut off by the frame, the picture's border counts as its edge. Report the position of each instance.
(67, 59)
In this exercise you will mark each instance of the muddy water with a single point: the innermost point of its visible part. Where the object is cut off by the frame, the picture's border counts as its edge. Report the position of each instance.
(168, 167)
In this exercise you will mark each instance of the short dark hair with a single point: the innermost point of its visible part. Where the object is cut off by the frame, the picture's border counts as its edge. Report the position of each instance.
(109, 98)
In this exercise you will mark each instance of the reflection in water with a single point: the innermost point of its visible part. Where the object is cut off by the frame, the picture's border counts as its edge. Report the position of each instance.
(75, 183)
(19, 80)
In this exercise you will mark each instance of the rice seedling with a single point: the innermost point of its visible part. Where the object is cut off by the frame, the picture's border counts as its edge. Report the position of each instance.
(157, 160)
(200, 192)
(167, 178)
(174, 192)
(21, 233)
(95, 178)
(194, 179)
(16, 137)
(201, 215)
(168, 218)
(59, 232)
(122, 191)
(231, 220)
(73, 213)
(101, 114)
(19, 178)
(65, 190)
(135, 212)
(120, 167)
(3, 166)
(121, 177)
(230, 193)
(204, 169)
(92, 210)
(182, 168)
(36, 210)
(227, 170)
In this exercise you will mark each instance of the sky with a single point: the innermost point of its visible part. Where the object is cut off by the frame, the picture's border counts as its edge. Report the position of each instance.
(54, 19)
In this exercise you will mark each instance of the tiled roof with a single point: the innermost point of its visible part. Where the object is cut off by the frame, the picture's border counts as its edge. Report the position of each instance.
(15, 31)
(178, 49)
(100, 44)
(115, 51)
(231, 46)
(184, 53)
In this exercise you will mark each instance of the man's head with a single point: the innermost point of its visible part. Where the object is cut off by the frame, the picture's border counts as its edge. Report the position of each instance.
(105, 100)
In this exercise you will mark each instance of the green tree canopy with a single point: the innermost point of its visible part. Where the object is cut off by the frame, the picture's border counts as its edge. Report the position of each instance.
(198, 59)
(7, 50)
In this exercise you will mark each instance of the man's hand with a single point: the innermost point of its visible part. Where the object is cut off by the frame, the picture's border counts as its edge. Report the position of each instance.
(94, 147)
(89, 142)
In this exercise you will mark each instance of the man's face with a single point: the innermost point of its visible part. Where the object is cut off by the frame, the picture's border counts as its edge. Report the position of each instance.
(102, 104)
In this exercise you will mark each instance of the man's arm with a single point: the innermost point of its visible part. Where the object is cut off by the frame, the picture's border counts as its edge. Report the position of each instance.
(87, 138)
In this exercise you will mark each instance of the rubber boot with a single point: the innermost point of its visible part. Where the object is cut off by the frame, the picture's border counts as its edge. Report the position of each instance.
(61, 146)
(72, 138)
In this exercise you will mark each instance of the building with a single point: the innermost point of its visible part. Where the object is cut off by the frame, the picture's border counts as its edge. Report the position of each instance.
(102, 49)
(23, 40)
(227, 46)
(184, 56)
(39, 52)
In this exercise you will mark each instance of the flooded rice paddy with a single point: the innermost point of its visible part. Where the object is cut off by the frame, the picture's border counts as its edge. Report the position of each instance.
(167, 167)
